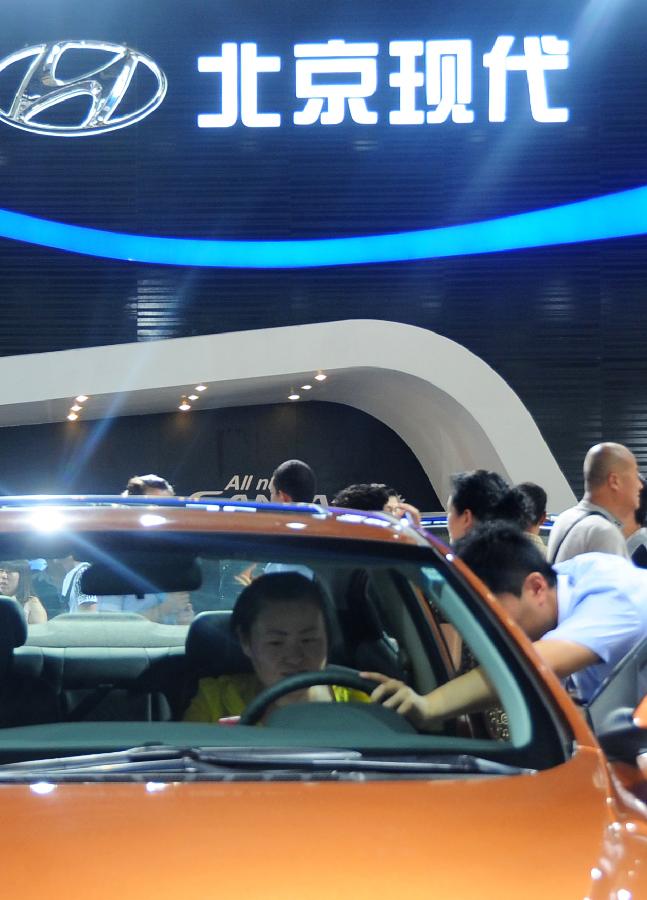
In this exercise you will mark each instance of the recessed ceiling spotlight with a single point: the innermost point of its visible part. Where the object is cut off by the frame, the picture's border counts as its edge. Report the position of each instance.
(320, 376)
(200, 387)
(294, 396)
(306, 387)
(184, 404)
(193, 397)
(72, 416)
(76, 408)
(81, 398)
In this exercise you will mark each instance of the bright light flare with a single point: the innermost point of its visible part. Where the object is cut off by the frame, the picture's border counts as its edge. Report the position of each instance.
(47, 520)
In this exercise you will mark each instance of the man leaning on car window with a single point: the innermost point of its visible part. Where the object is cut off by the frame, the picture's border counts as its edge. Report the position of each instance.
(583, 615)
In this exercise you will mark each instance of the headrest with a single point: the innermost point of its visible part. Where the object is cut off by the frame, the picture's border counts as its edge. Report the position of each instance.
(211, 649)
(13, 632)
(13, 625)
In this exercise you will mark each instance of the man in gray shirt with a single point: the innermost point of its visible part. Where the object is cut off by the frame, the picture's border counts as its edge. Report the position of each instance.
(611, 494)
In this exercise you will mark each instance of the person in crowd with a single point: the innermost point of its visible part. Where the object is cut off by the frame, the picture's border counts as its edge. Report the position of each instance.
(15, 581)
(611, 495)
(369, 497)
(64, 574)
(480, 496)
(292, 482)
(169, 609)
(43, 588)
(537, 498)
(279, 620)
(583, 616)
(376, 498)
(174, 608)
(635, 531)
(148, 486)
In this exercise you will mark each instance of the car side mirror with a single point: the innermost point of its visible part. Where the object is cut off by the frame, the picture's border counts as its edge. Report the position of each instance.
(623, 735)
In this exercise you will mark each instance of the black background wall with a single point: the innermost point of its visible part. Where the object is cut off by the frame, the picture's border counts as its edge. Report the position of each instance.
(563, 325)
(228, 450)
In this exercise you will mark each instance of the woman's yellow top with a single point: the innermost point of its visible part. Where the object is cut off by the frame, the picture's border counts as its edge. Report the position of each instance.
(228, 695)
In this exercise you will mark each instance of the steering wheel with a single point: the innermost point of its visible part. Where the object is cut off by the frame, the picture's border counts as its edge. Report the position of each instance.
(340, 675)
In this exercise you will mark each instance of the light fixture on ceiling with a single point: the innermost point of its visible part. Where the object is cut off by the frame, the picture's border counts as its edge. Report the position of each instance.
(193, 397)
(72, 416)
(320, 376)
(81, 398)
(200, 387)
(294, 396)
(306, 387)
(184, 404)
(76, 408)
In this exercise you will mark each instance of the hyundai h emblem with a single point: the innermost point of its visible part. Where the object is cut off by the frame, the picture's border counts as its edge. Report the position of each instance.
(105, 85)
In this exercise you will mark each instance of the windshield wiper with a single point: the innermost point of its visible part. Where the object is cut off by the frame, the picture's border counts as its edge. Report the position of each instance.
(169, 761)
(354, 760)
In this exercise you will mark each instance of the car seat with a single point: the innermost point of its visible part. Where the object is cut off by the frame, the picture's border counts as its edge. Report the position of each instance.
(211, 648)
(24, 699)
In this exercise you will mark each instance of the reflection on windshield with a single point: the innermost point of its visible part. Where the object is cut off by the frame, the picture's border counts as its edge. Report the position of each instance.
(47, 588)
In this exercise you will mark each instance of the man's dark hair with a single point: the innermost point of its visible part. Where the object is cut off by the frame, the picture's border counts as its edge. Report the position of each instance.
(537, 497)
(502, 556)
(274, 587)
(370, 497)
(139, 485)
(489, 496)
(296, 479)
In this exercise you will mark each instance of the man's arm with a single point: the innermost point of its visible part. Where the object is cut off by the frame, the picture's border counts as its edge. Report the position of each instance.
(467, 693)
(566, 657)
(470, 692)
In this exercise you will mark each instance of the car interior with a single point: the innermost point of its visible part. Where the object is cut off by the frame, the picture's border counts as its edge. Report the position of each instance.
(104, 680)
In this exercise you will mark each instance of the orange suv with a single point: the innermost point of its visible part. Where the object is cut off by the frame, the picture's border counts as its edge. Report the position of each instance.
(127, 770)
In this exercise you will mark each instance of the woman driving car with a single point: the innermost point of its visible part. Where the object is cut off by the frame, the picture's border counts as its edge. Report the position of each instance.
(280, 623)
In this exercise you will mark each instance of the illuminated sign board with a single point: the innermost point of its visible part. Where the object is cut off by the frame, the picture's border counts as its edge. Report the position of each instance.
(337, 79)
(263, 137)
(433, 82)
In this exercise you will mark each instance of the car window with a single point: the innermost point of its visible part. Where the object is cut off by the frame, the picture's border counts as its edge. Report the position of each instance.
(128, 658)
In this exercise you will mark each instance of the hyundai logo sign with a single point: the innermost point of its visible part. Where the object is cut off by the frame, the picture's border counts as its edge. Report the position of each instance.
(41, 90)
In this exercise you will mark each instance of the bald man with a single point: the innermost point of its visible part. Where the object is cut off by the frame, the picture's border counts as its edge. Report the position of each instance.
(611, 495)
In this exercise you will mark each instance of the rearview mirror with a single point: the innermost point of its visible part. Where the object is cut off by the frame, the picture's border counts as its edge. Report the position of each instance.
(142, 574)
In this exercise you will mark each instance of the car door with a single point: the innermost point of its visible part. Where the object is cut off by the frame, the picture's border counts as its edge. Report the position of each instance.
(623, 688)
(618, 715)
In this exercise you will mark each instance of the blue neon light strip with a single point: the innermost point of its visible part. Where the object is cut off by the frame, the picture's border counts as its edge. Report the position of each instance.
(623, 214)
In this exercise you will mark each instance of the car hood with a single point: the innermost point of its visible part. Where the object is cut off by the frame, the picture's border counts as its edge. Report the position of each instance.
(561, 833)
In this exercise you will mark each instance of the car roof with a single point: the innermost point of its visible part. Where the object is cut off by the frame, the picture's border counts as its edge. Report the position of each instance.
(105, 513)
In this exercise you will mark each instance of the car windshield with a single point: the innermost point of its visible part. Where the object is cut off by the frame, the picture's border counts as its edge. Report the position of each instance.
(130, 643)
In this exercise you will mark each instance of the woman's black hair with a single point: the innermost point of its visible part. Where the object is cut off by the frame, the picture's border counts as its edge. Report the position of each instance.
(489, 496)
(21, 566)
(537, 498)
(274, 587)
